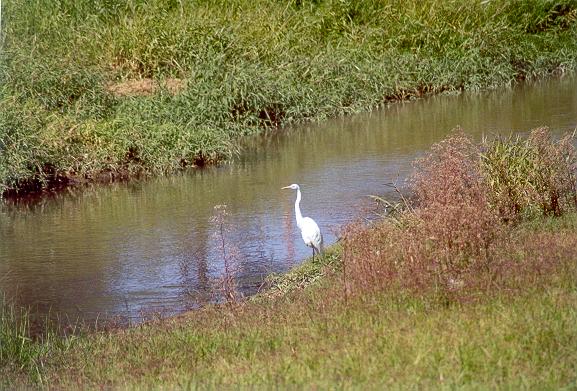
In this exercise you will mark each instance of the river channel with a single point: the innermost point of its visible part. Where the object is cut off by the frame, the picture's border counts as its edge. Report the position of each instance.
(134, 250)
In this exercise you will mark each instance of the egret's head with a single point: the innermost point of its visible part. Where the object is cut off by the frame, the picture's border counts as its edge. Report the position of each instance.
(294, 186)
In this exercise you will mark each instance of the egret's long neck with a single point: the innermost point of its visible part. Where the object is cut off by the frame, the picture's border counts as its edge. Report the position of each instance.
(298, 213)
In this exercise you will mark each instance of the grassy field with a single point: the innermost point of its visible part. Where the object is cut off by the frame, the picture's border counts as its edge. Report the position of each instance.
(106, 90)
(467, 287)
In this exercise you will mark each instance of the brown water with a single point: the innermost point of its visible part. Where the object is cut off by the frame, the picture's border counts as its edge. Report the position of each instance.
(130, 250)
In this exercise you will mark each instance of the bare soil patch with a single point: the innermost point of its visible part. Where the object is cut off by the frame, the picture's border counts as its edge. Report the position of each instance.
(146, 87)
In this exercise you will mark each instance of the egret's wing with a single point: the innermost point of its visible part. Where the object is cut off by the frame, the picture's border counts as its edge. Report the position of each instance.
(311, 233)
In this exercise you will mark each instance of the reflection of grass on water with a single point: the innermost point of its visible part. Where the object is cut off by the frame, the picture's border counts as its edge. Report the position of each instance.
(454, 292)
(99, 91)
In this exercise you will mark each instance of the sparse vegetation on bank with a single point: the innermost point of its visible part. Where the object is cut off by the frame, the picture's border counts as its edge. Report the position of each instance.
(455, 291)
(101, 90)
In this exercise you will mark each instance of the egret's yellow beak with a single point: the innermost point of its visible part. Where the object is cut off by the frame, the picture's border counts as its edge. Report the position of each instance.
(286, 187)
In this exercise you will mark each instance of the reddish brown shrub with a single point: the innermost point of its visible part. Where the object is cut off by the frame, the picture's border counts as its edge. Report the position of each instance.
(451, 228)
(529, 260)
(370, 256)
(455, 220)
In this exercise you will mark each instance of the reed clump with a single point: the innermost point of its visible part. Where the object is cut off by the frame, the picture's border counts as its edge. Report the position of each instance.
(529, 176)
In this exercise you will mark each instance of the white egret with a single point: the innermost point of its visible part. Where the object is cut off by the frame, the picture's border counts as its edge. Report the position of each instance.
(309, 229)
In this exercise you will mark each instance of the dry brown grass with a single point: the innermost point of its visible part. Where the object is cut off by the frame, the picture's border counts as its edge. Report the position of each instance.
(228, 253)
(146, 87)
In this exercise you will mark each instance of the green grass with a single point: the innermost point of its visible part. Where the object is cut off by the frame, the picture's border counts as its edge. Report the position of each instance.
(244, 66)
(22, 352)
(309, 273)
(525, 343)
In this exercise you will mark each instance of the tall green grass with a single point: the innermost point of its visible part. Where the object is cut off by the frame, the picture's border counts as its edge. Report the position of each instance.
(246, 65)
(531, 176)
(23, 352)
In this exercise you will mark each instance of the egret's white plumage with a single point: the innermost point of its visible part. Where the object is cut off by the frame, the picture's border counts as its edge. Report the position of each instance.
(310, 231)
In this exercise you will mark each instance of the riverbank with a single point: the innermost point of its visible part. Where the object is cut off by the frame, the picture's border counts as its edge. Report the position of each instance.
(94, 92)
(314, 337)
(408, 301)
